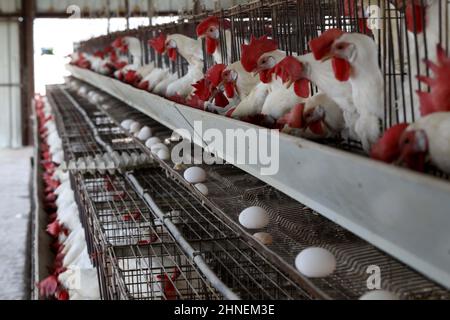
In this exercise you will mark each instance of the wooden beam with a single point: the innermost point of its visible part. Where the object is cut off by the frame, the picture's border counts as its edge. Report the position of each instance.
(27, 67)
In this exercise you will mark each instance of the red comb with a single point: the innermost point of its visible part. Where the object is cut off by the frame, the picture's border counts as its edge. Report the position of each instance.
(205, 24)
(202, 90)
(202, 28)
(322, 45)
(414, 16)
(214, 74)
(253, 51)
(387, 149)
(118, 43)
(99, 54)
(289, 69)
(438, 99)
(159, 43)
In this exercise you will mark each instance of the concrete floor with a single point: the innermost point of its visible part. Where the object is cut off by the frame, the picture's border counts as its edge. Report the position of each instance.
(15, 173)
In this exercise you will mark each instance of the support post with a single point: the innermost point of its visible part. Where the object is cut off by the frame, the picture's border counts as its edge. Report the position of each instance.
(27, 66)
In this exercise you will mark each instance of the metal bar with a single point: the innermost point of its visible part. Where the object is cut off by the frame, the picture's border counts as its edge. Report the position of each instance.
(191, 252)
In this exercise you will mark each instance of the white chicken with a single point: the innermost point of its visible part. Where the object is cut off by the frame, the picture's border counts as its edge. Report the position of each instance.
(183, 86)
(411, 145)
(150, 81)
(81, 283)
(161, 87)
(134, 72)
(191, 50)
(69, 216)
(319, 118)
(355, 59)
(261, 56)
(237, 84)
(210, 30)
(436, 16)
(429, 137)
(302, 69)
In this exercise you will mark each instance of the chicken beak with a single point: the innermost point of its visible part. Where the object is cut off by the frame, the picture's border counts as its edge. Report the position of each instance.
(327, 57)
(289, 84)
(216, 34)
(257, 71)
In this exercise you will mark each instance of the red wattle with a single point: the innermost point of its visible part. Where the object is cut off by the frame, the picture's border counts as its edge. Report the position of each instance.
(301, 88)
(265, 76)
(221, 100)
(317, 128)
(414, 13)
(229, 89)
(342, 69)
(211, 45)
(172, 52)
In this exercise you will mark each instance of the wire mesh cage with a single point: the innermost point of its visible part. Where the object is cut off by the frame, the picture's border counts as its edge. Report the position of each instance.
(135, 255)
(236, 262)
(140, 258)
(406, 32)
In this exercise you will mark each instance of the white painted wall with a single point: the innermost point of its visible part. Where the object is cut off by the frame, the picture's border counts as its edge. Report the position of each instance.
(10, 106)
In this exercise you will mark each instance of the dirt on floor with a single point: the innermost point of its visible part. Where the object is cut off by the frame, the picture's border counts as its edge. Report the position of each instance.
(15, 173)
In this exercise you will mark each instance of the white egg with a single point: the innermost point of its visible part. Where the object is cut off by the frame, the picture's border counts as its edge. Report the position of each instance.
(264, 237)
(379, 295)
(135, 127)
(316, 263)
(195, 175)
(152, 141)
(254, 218)
(202, 188)
(126, 124)
(144, 134)
(163, 154)
(159, 146)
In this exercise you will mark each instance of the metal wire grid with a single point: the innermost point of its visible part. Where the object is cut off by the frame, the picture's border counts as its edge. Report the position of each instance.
(75, 133)
(135, 255)
(294, 22)
(237, 263)
(295, 227)
(110, 131)
(138, 255)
